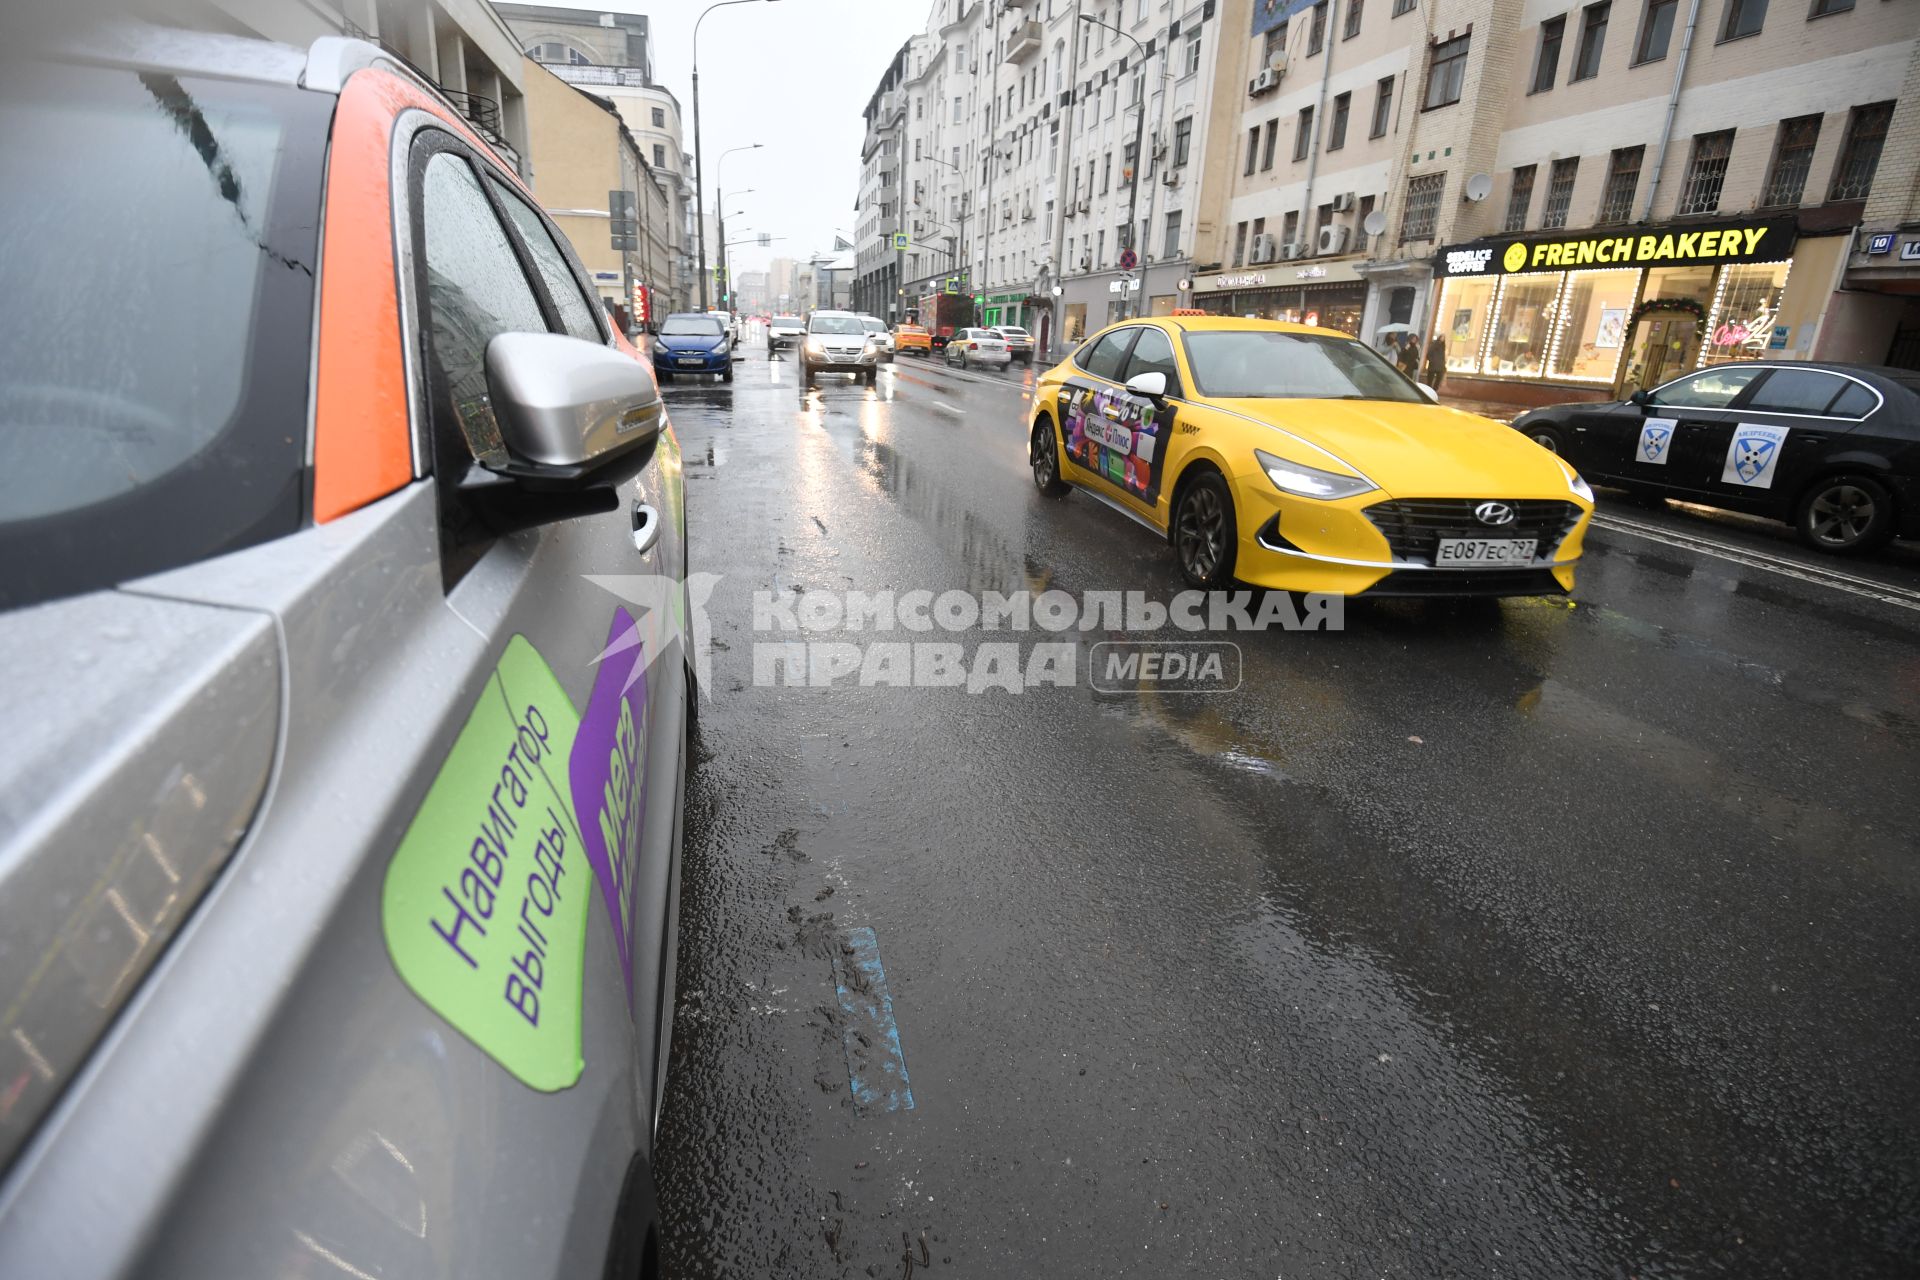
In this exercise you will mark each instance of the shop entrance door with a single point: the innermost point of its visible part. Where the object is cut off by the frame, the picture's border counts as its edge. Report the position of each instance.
(1664, 347)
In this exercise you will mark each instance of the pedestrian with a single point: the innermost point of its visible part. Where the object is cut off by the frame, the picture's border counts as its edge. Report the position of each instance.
(1409, 356)
(1436, 360)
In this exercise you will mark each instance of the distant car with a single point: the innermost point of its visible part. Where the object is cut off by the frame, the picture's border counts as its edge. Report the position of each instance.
(785, 331)
(728, 321)
(1832, 449)
(838, 342)
(693, 342)
(1019, 342)
(1295, 458)
(970, 347)
(342, 812)
(878, 327)
(912, 339)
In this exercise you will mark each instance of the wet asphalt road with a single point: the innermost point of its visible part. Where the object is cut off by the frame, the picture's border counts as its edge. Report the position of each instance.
(1502, 940)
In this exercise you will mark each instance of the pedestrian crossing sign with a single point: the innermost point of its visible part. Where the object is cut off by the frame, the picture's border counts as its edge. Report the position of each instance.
(899, 239)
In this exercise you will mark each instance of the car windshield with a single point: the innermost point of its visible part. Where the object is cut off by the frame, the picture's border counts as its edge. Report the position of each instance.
(1270, 364)
(153, 376)
(692, 327)
(874, 324)
(786, 322)
(1010, 332)
(835, 324)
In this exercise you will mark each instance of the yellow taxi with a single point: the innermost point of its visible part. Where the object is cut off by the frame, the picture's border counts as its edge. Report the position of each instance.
(1296, 458)
(911, 337)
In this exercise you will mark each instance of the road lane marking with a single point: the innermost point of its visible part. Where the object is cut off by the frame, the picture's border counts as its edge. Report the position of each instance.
(942, 404)
(876, 1065)
(1866, 588)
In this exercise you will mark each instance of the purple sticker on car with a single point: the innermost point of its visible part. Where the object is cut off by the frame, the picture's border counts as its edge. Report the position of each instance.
(608, 770)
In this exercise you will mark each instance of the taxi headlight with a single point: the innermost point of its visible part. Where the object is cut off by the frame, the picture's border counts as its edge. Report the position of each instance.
(1311, 482)
(1576, 482)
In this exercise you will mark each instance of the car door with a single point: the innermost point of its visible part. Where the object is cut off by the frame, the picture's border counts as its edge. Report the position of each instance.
(1090, 410)
(1678, 427)
(1757, 457)
(1152, 424)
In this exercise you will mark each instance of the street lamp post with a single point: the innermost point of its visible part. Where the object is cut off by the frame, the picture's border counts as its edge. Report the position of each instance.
(719, 171)
(1139, 157)
(699, 172)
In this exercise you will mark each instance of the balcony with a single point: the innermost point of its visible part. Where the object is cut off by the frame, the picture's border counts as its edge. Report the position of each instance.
(619, 77)
(1025, 40)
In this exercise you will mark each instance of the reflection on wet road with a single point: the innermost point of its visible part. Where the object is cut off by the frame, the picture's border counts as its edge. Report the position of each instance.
(1539, 938)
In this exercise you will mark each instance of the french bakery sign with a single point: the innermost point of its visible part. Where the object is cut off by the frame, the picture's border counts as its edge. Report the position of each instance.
(1704, 244)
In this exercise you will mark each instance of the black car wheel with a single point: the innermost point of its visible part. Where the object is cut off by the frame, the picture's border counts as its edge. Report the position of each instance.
(1844, 514)
(1045, 459)
(727, 376)
(1205, 537)
(661, 375)
(1546, 435)
(873, 377)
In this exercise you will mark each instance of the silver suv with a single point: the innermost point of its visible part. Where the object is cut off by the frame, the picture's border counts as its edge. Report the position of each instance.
(838, 342)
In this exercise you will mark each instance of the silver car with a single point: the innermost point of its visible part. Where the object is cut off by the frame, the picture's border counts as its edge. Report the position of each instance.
(340, 804)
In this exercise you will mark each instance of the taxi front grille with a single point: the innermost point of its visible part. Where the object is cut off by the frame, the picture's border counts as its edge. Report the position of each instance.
(1413, 527)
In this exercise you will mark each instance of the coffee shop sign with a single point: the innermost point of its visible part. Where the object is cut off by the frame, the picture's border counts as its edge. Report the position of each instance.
(1251, 280)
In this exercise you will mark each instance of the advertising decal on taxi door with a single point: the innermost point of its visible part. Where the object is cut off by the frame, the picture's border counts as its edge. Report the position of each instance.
(1117, 435)
(484, 907)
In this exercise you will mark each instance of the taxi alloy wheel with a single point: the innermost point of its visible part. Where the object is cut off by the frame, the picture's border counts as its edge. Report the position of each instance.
(1845, 514)
(1045, 458)
(1205, 537)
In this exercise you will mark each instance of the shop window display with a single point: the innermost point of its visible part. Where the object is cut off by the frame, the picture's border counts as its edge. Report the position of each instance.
(1464, 307)
(1594, 310)
(1523, 319)
(1746, 306)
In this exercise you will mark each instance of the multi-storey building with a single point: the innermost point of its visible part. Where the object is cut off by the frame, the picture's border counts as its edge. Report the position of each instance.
(876, 281)
(610, 55)
(1576, 200)
(1042, 140)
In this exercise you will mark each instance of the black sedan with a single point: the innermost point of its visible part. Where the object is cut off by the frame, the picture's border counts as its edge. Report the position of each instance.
(1833, 449)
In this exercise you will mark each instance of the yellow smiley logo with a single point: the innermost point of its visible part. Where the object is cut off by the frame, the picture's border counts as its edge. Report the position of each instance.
(1516, 257)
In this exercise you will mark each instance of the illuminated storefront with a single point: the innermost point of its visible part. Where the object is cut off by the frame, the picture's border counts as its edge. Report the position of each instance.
(1609, 310)
(1329, 295)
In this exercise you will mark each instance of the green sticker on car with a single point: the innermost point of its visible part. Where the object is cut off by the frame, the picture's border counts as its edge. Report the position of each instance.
(485, 903)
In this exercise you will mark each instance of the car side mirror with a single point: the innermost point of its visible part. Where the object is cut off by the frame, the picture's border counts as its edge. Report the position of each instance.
(1641, 397)
(1153, 385)
(576, 419)
(1433, 397)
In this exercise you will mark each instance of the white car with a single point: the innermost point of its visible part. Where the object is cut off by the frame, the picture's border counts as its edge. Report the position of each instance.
(785, 331)
(1019, 342)
(878, 328)
(969, 347)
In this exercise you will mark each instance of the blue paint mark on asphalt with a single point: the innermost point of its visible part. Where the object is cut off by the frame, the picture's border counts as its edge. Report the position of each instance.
(876, 1067)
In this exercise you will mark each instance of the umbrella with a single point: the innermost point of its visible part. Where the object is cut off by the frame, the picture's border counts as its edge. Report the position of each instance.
(1394, 328)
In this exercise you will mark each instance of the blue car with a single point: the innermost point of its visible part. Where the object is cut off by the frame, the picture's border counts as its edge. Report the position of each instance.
(692, 343)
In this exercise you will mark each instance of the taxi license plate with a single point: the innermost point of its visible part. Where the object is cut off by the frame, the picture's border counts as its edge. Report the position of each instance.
(691, 360)
(1458, 551)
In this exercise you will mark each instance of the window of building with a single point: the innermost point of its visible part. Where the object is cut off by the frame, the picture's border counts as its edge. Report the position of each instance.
(1593, 40)
(1744, 18)
(1303, 134)
(1273, 136)
(1593, 309)
(659, 117)
(1461, 320)
(1274, 42)
(1240, 245)
(1706, 172)
(1317, 33)
(1129, 157)
(1821, 8)
(1546, 62)
(1382, 107)
(1519, 199)
(1354, 8)
(1106, 172)
(1100, 249)
(1656, 31)
(1623, 179)
(1182, 140)
(1741, 325)
(1446, 73)
(1403, 6)
(1253, 150)
(1364, 208)
(659, 156)
(1193, 51)
(1423, 207)
(1522, 318)
(1337, 130)
(1559, 192)
(1860, 153)
(1170, 245)
(956, 111)
(1792, 160)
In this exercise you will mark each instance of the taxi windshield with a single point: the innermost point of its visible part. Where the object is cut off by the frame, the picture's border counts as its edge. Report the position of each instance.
(1264, 364)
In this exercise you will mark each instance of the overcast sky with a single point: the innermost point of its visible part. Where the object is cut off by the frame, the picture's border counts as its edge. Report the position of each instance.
(793, 75)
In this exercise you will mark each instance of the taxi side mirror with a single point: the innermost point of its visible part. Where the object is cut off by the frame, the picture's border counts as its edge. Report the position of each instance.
(1152, 385)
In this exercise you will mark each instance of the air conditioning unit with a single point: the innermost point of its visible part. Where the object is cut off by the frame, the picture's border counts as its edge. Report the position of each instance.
(1086, 205)
(1263, 248)
(1334, 239)
(1086, 262)
(1026, 214)
(1266, 82)
(1172, 178)
(1292, 249)
(1343, 202)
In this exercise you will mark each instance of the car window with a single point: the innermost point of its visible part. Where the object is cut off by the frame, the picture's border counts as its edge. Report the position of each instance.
(475, 291)
(835, 324)
(1275, 364)
(1153, 353)
(1105, 357)
(873, 325)
(1854, 402)
(1710, 389)
(162, 234)
(1797, 391)
(691, 327)
(576, 313)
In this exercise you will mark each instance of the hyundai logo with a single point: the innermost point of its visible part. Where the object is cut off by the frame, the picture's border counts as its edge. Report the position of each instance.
(1493, 513)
